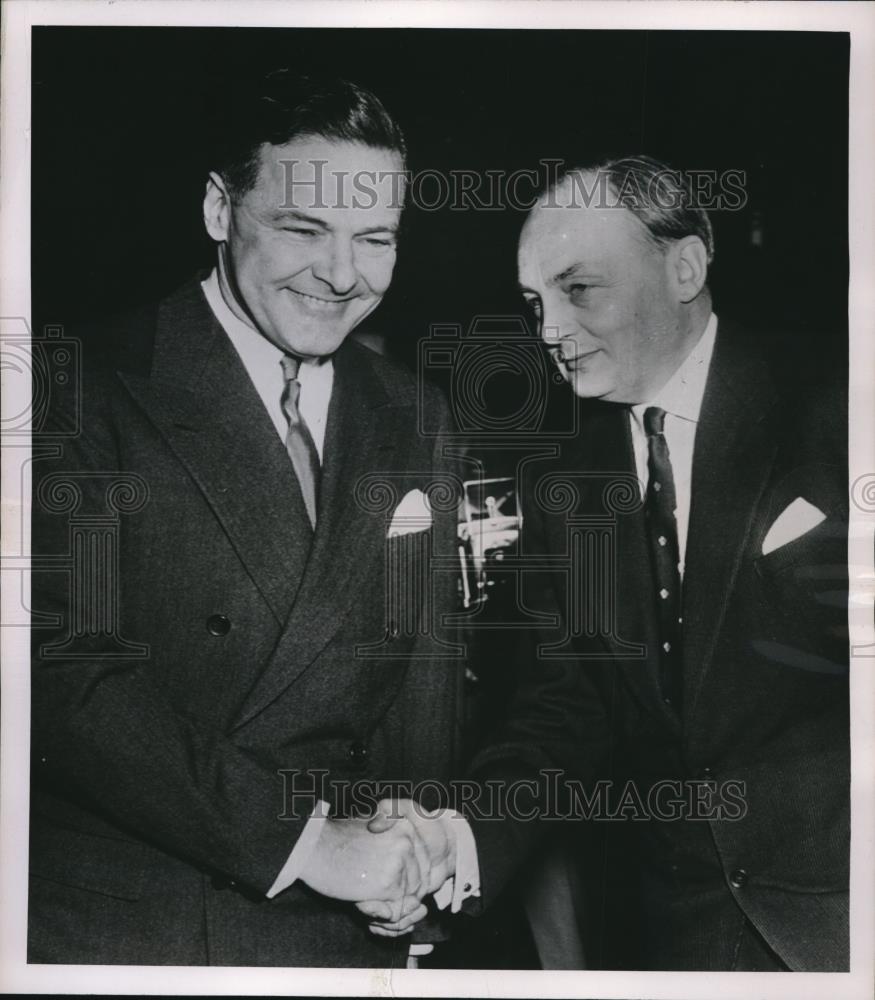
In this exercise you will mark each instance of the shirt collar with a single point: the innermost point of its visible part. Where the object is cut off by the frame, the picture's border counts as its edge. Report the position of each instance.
(250, 344)
(682, 395)
(256, 351)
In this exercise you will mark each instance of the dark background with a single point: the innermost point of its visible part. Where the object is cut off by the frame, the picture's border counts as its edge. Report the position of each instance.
(119, 170)
(118, 164)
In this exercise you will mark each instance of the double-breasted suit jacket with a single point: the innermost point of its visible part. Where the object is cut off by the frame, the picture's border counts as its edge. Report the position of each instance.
(211, 641)
(765, 672)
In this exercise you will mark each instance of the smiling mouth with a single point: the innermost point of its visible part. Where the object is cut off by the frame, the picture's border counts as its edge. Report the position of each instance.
(578, 360)
(318, 303)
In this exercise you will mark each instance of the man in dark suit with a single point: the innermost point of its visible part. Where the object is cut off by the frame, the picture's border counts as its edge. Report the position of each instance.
(697, 528)
(212, 541)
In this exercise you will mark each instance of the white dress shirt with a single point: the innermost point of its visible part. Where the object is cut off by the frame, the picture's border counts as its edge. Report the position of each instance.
(261, 359)
(681, 398)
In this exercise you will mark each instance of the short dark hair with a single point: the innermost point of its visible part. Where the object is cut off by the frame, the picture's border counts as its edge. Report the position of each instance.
(657, 194)
(281, 106)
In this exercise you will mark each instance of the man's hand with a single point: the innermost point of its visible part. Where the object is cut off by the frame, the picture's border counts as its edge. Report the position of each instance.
(393, 918)
(434, 829)
(398, 916)
(350, 861)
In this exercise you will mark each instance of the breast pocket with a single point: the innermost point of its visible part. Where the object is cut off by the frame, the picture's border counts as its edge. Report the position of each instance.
(802, 601)
(814, 560)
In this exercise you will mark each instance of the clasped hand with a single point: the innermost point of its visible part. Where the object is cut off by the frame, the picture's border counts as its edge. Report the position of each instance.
(386, 865)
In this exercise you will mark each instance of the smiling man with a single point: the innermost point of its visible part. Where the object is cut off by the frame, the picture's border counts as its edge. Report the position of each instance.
(176, 773)
(698, 529)
(304, 258)
(618, 319)
(714, 655)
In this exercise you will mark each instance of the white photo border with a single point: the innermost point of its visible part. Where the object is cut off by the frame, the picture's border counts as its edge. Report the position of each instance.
(18, 16)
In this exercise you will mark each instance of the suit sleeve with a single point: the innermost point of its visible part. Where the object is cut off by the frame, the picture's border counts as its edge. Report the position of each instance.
(105, 732)
(560, 719)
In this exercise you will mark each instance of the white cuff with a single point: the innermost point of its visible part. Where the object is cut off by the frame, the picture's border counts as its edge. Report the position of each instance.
(297, 860)
(466, 882)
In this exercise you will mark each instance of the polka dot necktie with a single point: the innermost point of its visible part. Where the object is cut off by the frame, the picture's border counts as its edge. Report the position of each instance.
(660, 505)
(299, 443)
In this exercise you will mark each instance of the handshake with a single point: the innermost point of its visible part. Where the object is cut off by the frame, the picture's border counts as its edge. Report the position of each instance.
(386, 864)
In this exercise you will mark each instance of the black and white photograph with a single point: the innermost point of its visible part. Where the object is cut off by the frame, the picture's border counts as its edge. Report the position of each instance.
(438, 499)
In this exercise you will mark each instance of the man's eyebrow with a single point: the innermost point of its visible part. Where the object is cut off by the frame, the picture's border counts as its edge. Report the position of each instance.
(391, 229)
(285, 214)
(578, 267)
(569, 272)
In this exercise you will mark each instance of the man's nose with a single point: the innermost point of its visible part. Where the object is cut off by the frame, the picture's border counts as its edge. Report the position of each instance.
(558, 331)
(555, 327)
(336, 267)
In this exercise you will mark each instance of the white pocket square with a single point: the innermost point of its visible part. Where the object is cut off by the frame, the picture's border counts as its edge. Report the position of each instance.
(793, 521)
(412, 514)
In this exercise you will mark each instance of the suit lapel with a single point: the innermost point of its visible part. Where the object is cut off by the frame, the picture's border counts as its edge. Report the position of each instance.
(367, 431)
(605, 450)
(734, 453)
(202, 401)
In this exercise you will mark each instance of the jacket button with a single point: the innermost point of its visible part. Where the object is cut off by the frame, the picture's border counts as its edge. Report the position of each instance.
(738, 878)
(218, 625)
(707, 774)
(393, 630)
(358, 754)
(221, 882)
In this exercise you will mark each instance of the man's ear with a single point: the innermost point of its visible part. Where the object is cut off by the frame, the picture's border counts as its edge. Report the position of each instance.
(689, 264)
(217, 208)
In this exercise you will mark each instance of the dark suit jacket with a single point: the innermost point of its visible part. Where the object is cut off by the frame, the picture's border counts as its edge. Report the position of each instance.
(217, 649)
(765, 671)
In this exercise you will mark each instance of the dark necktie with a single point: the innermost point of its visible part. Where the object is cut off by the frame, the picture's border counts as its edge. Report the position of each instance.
(662, 529)
(299, 443)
